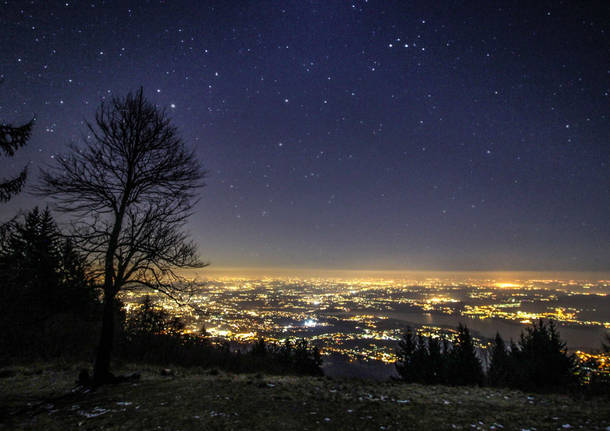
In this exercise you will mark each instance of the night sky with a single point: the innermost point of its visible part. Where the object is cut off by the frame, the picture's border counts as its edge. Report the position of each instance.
(346, 134)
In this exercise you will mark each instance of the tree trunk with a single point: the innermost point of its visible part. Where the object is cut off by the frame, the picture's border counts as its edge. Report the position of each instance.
(101, 370)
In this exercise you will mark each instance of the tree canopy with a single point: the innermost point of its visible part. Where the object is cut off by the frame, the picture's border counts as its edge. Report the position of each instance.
(132, 186)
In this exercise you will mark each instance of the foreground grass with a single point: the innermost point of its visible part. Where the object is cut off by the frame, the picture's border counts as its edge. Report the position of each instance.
(41, 399)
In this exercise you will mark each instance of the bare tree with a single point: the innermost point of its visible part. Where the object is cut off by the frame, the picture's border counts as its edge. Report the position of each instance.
(132, 184)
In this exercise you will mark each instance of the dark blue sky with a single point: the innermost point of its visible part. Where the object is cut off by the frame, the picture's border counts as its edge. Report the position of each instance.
(364, 134)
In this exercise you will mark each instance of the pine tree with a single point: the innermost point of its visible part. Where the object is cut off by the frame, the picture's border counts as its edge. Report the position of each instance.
(421, 361)
(13, 138)
(307, 359)
(542, 361)
(79, 292)
(286, 352)
(499, 370)
(405, 352)
(30, 262)
(435, 374)
(464, 366)
(43, 282)
(43, 271)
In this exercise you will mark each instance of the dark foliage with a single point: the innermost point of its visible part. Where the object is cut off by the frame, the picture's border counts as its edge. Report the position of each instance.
(541, 361)
(149, 319)
(499, 371)
(12, 138)
(423, 360)
(406, 351)
(44, 289)
(132, 187)
(152, 336)
(436, 370)
(464, 366)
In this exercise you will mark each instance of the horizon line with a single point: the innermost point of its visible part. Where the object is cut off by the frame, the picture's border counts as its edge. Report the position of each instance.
(296, 272)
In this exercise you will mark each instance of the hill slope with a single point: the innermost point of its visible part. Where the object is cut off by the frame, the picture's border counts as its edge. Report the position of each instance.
(41, 399)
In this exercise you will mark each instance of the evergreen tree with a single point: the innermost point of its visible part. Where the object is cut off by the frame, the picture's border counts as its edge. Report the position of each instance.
(29, 263)
(420, 364)
(541, 362)
(405, 354)
(79, 292)
(446, 360)
(41, 278)
(286, 352)
(464, 365)
(499, 370)
(306, 360)
(13, 138)
(259, 348)
(435, 364)
(42, 270)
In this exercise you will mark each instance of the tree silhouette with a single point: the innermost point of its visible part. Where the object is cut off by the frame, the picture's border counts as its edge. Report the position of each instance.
(464, 365)
(41, 276)
(541, 361)
(306, 360)
(132, 186)
(13, 138)
(421, 360)
(405, 353)
(436, 362)
(499, 371)
(149, 319)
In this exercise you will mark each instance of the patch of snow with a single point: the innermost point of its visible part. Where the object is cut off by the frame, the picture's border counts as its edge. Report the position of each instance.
(97, 411)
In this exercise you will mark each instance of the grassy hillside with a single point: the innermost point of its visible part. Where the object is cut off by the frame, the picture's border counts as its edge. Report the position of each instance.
(40, 398)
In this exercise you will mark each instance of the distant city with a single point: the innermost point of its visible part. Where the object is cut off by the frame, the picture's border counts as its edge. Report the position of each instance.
(362, 320)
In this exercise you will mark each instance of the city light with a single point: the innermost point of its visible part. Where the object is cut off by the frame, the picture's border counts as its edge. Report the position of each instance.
(363, 319)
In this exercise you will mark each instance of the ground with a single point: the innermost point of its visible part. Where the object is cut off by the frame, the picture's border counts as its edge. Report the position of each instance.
(40, 398)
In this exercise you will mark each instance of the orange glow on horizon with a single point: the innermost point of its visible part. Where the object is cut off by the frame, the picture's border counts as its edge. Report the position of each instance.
(506, 285)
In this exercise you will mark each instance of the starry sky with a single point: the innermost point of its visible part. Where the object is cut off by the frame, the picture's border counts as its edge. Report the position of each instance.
(383, 135)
